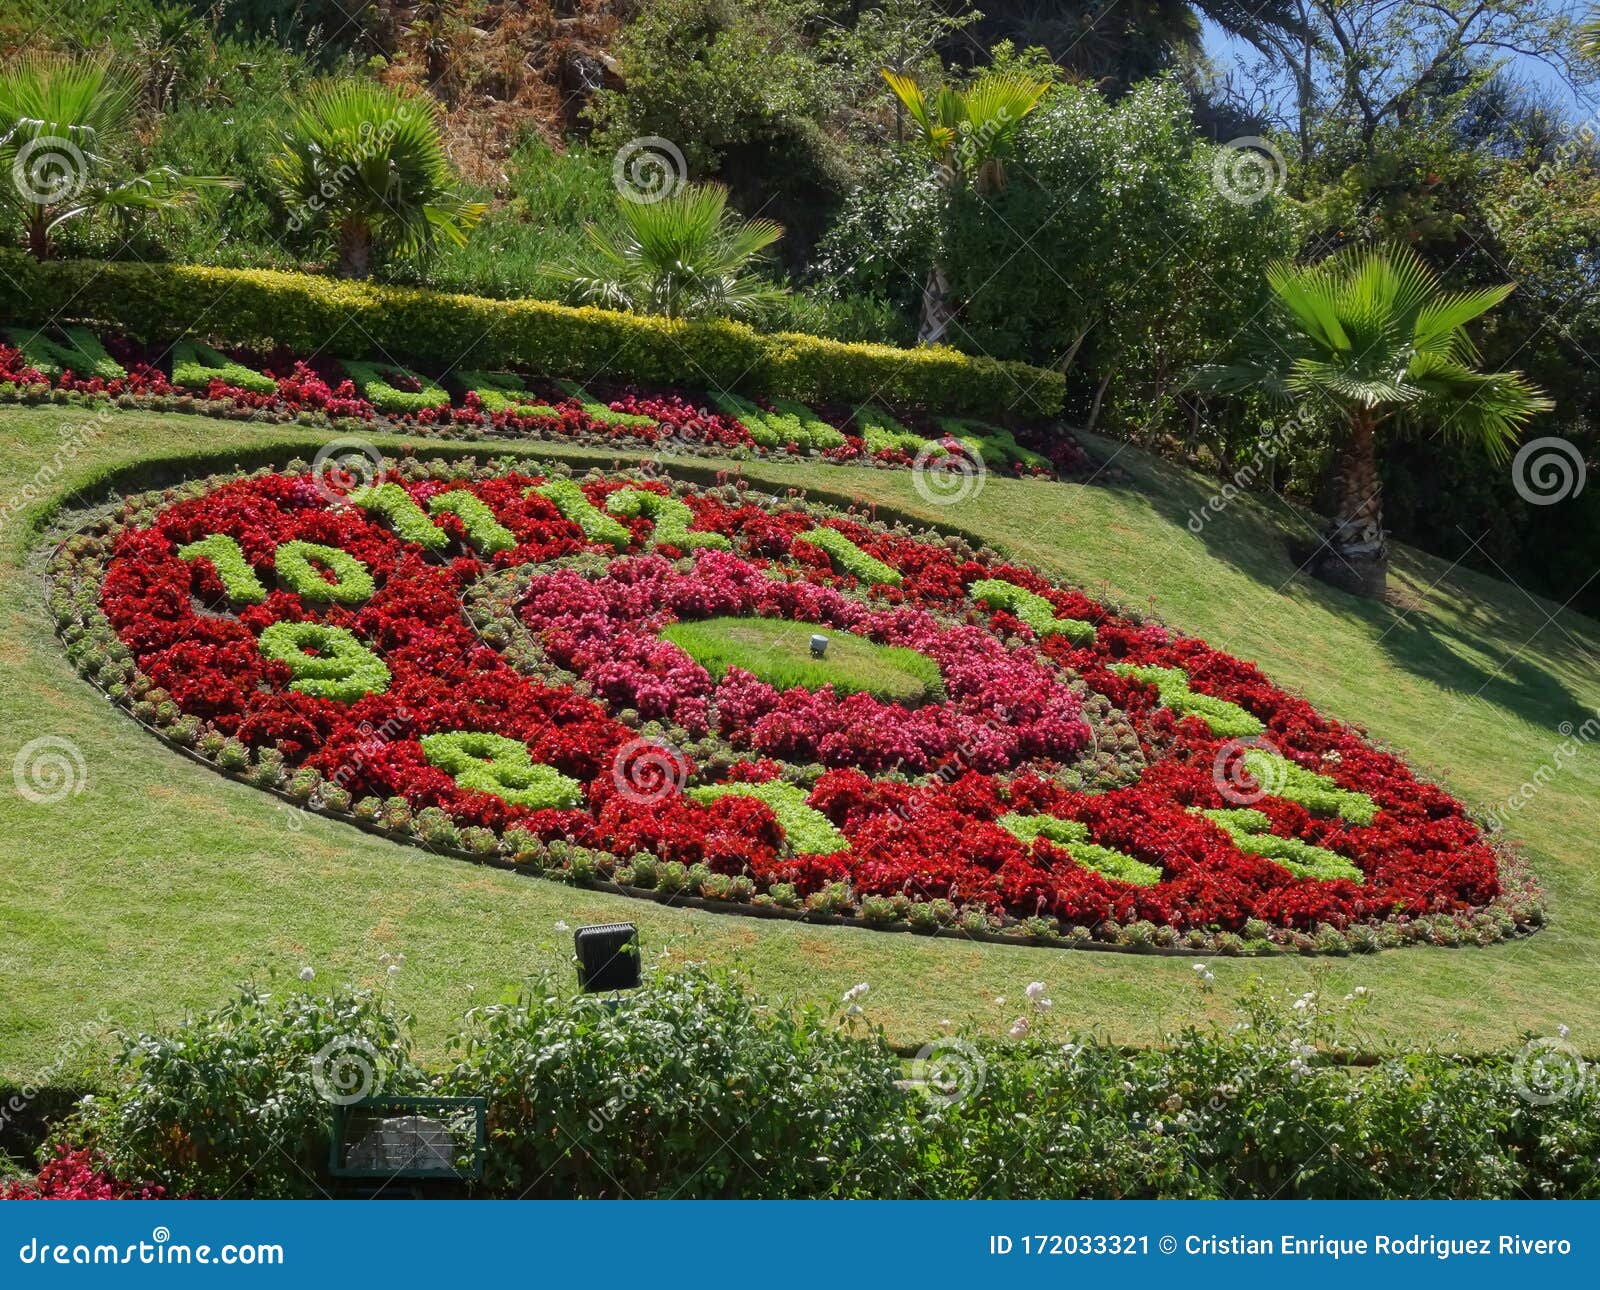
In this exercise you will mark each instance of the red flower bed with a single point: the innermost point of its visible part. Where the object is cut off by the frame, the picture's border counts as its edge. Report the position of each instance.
(557, 647)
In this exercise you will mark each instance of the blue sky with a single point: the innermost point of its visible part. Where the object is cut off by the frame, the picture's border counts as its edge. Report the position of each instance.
(1223, 50)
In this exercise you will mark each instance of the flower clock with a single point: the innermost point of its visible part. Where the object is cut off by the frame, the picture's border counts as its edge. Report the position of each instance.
(697, 694)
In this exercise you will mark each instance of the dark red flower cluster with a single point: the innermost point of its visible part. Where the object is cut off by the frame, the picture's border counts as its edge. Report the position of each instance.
(78, 1175)
(916, 792)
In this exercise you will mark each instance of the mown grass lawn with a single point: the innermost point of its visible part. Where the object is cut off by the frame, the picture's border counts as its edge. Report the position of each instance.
(160, 884)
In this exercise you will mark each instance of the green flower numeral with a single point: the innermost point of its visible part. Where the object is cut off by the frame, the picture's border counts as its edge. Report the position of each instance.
(486, 534)
(407, 519)
(1317, 793)
(505, 392)
(850, 558)
(1172, 687)
(1031, 608)
(599, 412)
(503, 768)
(80, 352)
(807, 830)
(1072, 836)
(233, 570)
(671, 516)
(195, 366)
(341, 667)
(297, 565)
(1251, 832)
(569, 498)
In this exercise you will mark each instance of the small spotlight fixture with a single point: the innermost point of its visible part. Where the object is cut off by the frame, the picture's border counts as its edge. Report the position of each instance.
(608, 957)
(819, 645)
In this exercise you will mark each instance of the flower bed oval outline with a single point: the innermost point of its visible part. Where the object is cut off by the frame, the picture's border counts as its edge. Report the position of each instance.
(861, 803)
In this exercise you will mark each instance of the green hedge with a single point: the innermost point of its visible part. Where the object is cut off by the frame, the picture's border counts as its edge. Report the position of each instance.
(260, 309)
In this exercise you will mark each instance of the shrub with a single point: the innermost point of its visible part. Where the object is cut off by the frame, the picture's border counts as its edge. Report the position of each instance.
(155, 302)
(240, 1101)
(598, 1100)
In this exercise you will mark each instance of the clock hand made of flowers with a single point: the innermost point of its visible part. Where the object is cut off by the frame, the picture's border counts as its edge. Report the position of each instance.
(616, 678)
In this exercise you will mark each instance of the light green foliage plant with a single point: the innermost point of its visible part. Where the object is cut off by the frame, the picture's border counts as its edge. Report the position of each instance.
(1251, 831)
(407, 519)
(374, 382)
(195, 366)
(851, 558)
(233, 570)
(342, 668)
(1317, 793)
(502, 767)
(568, 497)
(1072, 836)
(504, 392)
(671, 517)
(486, 534)
(297, 567)
(79, 351)
(806, 830)
(1031, 608)
(1172, 686)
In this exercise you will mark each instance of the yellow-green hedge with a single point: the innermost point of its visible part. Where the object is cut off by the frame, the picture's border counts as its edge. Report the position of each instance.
(260, 308)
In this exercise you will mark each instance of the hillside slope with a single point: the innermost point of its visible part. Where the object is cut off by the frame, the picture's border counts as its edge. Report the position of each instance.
(160, 884)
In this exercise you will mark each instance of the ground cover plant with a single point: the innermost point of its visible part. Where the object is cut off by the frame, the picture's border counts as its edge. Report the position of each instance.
(43, 365)
(509, 689)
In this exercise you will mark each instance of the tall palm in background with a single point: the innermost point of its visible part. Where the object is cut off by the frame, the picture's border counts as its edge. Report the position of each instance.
(684, 256)
(967, 133)
(369, 161)
(66, 131)
(1370, 335)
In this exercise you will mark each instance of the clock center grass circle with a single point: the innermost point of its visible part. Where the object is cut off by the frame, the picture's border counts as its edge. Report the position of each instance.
(778, 651)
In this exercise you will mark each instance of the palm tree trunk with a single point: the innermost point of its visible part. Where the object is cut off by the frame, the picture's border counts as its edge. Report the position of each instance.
(936, 308)
(38, 236)
(1354, 555)
(355, 249)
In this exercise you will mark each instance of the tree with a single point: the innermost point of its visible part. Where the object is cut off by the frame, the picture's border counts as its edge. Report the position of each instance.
(66, 128)
(1370, 334)
(369, 161)
(684, 256)
(967, 133)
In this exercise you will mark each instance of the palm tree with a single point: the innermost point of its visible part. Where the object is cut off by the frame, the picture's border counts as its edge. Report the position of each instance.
(967, 133)
(369, 161)
(685, 256)
(66, 128)
(1370, 335)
